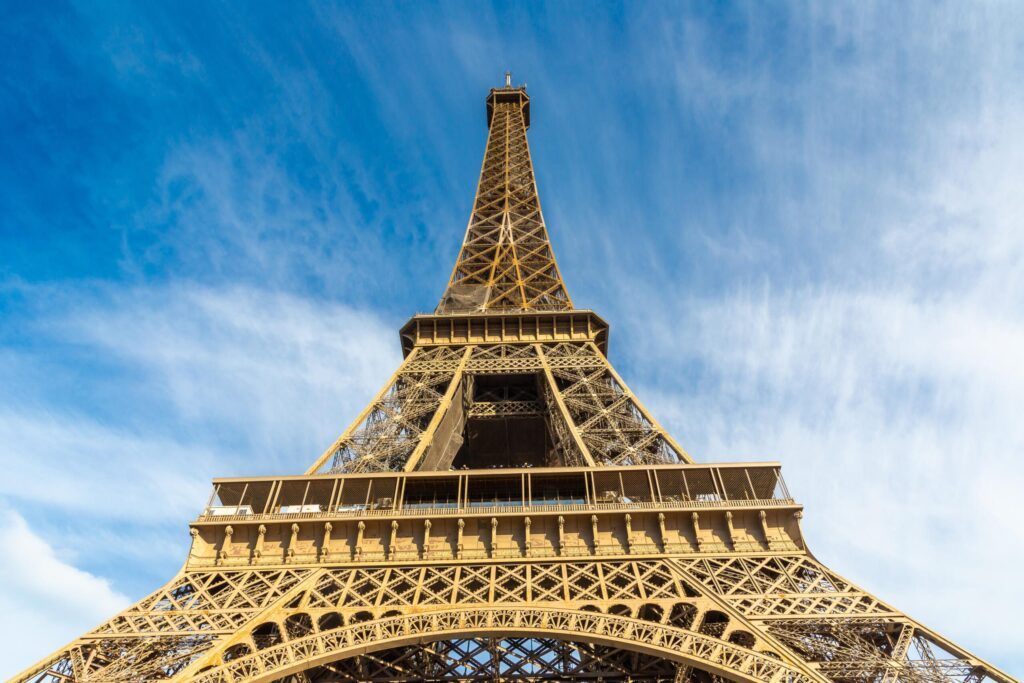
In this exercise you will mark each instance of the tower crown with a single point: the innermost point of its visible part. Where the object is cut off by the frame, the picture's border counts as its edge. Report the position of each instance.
(506, 262)
(506, 373)
(514, 95)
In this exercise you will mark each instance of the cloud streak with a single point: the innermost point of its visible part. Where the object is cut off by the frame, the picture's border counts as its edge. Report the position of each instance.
(186, 383)
(880, 359)
(897, 426)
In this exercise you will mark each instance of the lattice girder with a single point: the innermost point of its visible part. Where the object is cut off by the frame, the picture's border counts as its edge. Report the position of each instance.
(506, 261)
(699, 604)
(505, 508)
(674, 644)
(523, 658)
(593, 416)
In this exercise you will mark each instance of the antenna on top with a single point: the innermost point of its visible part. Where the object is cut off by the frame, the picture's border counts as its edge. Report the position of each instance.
(508, 79)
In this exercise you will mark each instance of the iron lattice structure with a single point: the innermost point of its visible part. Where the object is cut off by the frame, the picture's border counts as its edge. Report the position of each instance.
(506, 509)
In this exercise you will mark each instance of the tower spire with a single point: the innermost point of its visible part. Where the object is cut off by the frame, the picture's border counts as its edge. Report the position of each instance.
(506, 261)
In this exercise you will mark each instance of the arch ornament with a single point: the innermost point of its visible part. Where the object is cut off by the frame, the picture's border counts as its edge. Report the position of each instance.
(679, 645)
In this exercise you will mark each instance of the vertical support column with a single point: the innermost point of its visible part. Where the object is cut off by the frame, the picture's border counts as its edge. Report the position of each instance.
(730, 528)
(225, 546)
(563, 410)
(662, 535)
(325, 547)
(427, 437)
(257, 550)
(358, 550)
(393, 546)
(292, 542)
(458, 544)
(629, 532)
(494, 536)
(763, 517)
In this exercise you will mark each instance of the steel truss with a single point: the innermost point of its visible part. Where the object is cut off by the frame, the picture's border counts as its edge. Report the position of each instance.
(605, 555)
(595, 419)
(506, 261)
(767, 616)
(526, 659)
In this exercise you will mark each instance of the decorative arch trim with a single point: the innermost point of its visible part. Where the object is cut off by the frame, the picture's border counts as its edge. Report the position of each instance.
(679, 645)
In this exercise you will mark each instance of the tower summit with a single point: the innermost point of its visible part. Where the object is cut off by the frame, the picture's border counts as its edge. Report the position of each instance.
(506, 509)
(506, 261)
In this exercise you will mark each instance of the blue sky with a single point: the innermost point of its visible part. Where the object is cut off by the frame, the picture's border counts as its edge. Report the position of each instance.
(803, 222)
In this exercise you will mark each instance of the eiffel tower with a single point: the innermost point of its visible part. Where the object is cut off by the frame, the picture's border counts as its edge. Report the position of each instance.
(506, 509)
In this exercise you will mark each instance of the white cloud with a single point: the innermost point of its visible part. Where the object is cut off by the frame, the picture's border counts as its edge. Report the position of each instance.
(890, 388)
(270, 376)
(75, 465)
(872, 337)
(210, 382)
(184, 384)
(897, 423)
(45, 600)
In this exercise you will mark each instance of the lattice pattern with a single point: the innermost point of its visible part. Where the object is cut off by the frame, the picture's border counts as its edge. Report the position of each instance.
(391, 428)
(612, 427)
(705, 607)
(166, 631)
(780, 586)
(124, 659)
(499, 659)
(610, 420)
(566, 449)
(506, 262)
(857, 651)
(572, 582)
(344, 642)
(825, 620)
(217, 601)
(504, 358)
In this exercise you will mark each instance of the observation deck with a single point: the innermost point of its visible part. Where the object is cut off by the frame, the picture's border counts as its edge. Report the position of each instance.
(531, 512)
(518, 327)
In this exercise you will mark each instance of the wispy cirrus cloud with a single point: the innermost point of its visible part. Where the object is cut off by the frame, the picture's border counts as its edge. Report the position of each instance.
(897, 426)
(870, 337)
(182, 383)
(235, 360)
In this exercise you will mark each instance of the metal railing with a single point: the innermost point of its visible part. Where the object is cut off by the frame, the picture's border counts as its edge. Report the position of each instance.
(449, 511)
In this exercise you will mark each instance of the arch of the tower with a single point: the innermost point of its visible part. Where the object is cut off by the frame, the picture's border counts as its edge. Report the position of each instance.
(490, 643)
(502, 658)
